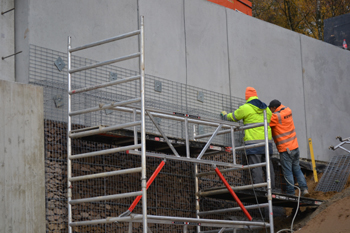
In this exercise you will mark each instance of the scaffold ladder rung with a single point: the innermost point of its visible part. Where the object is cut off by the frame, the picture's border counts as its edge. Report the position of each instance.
(87, 128)
(105, 106)
(119, 59)
(223, 189)
(105, 152)
(104, 198)
(103, 130)
(106, 174)
(250, 146)
(119, 37)
(106, 84)
(233, 169)
(234, 209)
(106, 220)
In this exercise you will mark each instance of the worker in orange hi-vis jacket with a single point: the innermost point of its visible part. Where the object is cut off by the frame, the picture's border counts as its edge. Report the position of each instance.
(285, 137)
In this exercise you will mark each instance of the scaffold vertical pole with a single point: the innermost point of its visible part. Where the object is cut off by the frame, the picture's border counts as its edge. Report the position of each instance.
(233, 145)
(130, 227)
(268, 174)
(187, 139)
(135, 128)
(143, 128)
(196, 184)
(196, 191)
(187, 153)
(69, 142)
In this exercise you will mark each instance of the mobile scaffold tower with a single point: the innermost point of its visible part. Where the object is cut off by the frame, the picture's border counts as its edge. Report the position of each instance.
(136, 106)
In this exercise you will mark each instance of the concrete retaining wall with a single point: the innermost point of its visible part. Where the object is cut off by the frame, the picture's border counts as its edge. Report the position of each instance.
(7, 40)
(268, 58)
(326, 73)
(22, 166)
(205, 45)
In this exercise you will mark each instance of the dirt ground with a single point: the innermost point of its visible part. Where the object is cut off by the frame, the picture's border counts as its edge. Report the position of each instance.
(333, 216)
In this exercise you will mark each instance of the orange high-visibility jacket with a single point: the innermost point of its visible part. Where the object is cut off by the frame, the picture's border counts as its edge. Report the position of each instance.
(283, 130)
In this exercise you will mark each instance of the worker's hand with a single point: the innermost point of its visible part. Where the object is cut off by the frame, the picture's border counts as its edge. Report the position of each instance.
(224, 115)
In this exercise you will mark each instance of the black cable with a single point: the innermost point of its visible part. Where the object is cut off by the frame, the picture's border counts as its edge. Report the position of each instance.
(251, 179)
(296, 212)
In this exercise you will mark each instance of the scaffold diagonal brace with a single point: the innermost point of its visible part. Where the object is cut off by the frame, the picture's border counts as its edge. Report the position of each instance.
(162, 133)
(209, 141)
(233, 193)
(138, 198)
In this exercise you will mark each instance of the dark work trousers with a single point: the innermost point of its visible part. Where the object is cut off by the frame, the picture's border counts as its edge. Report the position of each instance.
(257, 173)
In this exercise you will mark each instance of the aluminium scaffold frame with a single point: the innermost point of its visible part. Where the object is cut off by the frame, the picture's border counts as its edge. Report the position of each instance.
(222, 127)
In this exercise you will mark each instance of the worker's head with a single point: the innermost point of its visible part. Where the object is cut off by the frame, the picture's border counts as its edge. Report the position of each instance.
(249, 92)
(274, 104)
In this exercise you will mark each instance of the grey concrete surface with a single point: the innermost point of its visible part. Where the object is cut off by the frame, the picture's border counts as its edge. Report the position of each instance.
(326, 85)
(267, 58)
(49, 23)
(165, 52)
(7, 42)
(22, 40)
(205, 45)
(22, 166)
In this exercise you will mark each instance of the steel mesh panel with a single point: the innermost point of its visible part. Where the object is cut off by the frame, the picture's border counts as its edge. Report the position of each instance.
(174, 96)
(336, 174)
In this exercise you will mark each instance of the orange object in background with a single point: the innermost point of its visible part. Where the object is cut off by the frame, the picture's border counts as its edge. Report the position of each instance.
(243, 6)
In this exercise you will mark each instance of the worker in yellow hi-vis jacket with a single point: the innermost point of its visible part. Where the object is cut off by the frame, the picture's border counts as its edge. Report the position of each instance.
(253, 112)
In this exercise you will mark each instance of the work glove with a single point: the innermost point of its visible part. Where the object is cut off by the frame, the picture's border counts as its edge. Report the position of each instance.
(224, 115)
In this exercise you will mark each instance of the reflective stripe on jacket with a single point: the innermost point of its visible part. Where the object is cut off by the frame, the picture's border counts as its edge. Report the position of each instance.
(253, 112)
(283, 130)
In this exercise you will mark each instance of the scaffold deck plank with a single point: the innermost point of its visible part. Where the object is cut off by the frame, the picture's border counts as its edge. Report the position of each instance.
(278, 199)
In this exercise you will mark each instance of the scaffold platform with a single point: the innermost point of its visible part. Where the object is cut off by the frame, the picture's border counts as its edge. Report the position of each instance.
(157, 143)
(154, 142)
(248, 196)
